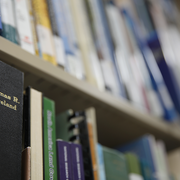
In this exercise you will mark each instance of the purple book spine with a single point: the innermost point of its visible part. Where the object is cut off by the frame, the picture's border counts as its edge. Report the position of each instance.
(64, 160)
(77, 162)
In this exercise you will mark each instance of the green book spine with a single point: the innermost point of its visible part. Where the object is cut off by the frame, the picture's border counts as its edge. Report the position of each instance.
(50, 157)
(115, 165)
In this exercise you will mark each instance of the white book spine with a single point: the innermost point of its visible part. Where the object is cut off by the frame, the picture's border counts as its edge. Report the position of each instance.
(24, 26)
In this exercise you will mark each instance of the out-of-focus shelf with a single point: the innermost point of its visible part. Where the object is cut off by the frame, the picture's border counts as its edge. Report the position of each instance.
(117, 120)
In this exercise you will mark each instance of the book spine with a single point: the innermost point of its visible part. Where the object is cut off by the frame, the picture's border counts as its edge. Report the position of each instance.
(24, 26)
(0, 21)
(102, 174)
(13, 23)
(166, 71)
(90, 58)
(44, 32)
(32, 26)
(74, 64)
(64, 160)
(107, 49)
(155, 74)
(77, 161)
(60, 56)
(50, 158)
(5, 8)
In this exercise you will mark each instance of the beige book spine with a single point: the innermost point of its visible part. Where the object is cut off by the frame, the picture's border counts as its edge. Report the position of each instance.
(36, 135)
(89, 55)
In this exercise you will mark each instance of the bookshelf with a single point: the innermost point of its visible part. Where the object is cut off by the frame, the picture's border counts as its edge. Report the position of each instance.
(117, 120)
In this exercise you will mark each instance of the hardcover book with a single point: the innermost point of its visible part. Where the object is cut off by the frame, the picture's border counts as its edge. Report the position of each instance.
(0, 21)
(104, 47)
(115, 165)
(91, 62)
(77, 161)
(133, 167)
(59, 47)
(24, 25)
(44, 32)
(102, 174)
(50, 157)
(33, 131)
(143, 148)
(8, 21)
(64, 160)
(11, 109)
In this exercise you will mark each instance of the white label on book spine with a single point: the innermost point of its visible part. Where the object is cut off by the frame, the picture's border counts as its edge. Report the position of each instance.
(23, 25)
(45, 39)
(135, 177)
(60, 52)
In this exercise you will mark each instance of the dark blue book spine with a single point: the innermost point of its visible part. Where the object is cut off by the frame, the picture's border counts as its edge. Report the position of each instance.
(0, 22)
(64, 160)
(110, 46)
(156, 77)
(166, 71)
(77, 162)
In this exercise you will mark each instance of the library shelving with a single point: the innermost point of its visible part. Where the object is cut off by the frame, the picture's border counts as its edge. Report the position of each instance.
(118, 121)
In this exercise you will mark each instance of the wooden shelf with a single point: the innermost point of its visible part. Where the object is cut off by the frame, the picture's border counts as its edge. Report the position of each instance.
(117, 120)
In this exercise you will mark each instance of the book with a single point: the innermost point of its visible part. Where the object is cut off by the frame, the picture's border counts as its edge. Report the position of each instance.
(104, 47)
(59, 47)
(174, 163)
(133, 167)
(64, 160)
(145, 169)
(85, 40)
(144, 149)
(75, 65)
(26, 164)
(77, 161)
(44, 33)
(93, 139)
(24, 26)
(0, 22)
(72, 126)
(32, 26)
(8, 21)
(49, 132)
(127, 65)
(11, 109)
(153, 43)
(155, 74)
(33, 130)
(115, 165)
(102, 174)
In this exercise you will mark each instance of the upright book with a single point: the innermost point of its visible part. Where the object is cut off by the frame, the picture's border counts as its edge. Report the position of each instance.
(8, 21)
(115, 165)
(11, 109)
(24, 25)
(44, 32)
(33, 131)
(64, 160)
(144, 149)
(50, 157)
(0, 21)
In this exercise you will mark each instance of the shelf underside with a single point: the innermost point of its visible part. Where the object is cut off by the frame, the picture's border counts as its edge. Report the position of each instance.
(118, 122)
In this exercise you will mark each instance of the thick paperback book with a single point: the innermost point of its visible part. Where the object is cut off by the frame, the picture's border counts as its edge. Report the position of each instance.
(11, 109)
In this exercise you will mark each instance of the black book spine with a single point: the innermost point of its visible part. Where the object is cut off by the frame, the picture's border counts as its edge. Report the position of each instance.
(26, 119)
